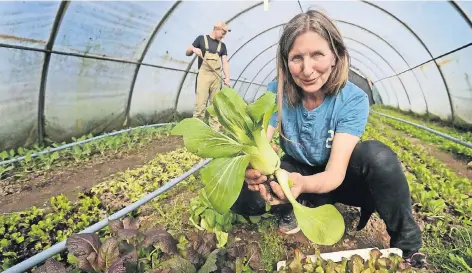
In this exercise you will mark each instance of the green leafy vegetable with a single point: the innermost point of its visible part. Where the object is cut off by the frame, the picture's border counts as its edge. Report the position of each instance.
(241, 143)
(355, 264)
(323, 224)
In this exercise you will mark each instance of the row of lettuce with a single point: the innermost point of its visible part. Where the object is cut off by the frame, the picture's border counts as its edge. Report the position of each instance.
(443, 143)
(105, 147)
(441, 197)
(42, 228)
(26, 233)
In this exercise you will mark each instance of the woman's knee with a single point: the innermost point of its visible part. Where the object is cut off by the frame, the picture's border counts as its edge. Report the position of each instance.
(377, 155)
(383, 173)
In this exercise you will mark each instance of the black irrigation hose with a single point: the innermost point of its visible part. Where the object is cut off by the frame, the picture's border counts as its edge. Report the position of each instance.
(458, 141)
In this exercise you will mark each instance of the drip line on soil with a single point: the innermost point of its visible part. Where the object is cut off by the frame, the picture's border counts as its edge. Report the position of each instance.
(446, 136)
(81, 142)
(61, 246)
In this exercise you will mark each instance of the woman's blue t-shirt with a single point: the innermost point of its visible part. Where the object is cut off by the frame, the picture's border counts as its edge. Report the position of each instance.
(311, 132)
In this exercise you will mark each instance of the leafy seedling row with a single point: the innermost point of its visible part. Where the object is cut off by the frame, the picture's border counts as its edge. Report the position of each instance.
(133, 250)
(376, 263)
(448, 227)
(104, 147)
(439, 189)
(428, 137)
(25, 234)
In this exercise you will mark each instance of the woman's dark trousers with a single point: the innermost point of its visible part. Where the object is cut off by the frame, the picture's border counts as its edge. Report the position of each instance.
(374, 181)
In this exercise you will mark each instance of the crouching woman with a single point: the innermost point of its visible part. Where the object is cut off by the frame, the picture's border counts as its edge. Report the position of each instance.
(321, 117)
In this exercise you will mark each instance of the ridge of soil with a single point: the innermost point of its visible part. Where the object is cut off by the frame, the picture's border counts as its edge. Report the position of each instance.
(456, 164)
(37, 189)
(374, 234)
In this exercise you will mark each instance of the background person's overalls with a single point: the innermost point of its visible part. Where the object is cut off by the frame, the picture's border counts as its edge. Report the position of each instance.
(208, 83)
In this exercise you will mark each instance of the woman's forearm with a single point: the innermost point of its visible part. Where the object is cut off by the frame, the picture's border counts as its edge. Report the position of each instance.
(270, 132)
(322, 182)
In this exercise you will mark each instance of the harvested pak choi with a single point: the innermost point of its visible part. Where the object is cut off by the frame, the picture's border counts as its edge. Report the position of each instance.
(242, 141)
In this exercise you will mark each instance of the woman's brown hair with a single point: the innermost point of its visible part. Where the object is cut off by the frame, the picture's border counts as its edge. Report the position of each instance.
(319, 23)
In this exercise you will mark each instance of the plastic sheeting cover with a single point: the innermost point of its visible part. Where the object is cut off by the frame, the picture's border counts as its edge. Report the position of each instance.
(113, 29)
(422, 15)
(20, 76)
(85, 96)
(26, 23)
(392, 44)
(360, 14)
(154, 95)
(457, 69)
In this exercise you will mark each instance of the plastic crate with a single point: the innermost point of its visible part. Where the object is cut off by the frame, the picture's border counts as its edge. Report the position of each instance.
(338, 255)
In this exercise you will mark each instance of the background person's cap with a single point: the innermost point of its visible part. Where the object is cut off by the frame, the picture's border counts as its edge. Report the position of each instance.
(223, 26)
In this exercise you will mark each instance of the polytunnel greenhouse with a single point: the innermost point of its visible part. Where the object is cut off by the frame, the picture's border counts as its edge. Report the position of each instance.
(104, 167)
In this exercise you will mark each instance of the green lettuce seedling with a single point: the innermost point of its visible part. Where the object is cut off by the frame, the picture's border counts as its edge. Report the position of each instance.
(241, 143)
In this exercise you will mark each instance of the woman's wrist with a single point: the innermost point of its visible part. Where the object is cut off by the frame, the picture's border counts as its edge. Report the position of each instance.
(310, 184)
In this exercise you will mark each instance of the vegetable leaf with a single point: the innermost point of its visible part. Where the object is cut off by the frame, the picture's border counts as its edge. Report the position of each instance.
(268, 116)
(323, 225)
(257, 109)
(161, 237)
(178, 265)
(224, 178)
(211, 110)
(115, 225)
(51, 266)
(234, 97)
(210, 263)
(127, 234)
(117, 267)
(230, 110)
(81, 245)
(238, 102)
(130, 223)
(109, 253)
(202, 140)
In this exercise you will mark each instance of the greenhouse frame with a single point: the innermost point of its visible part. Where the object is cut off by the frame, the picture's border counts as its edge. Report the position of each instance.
(82, 81)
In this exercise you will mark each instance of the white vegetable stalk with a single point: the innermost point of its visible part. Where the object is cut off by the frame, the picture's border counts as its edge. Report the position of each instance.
(263, 156)
(244, 144)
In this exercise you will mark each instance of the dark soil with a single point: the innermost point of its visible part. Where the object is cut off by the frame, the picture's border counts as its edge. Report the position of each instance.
(174, 217)
(36, 190)
(452, 162)
(456, 163)
(373, 235)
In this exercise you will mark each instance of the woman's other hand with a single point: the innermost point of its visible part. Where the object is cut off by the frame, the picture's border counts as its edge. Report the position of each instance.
(280, 198)
(254, 178)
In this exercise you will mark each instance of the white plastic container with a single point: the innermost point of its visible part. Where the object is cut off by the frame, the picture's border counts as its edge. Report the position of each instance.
(339, 255)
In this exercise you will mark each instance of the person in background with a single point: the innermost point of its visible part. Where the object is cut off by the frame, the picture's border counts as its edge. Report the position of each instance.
(209, 49)
(321, 117)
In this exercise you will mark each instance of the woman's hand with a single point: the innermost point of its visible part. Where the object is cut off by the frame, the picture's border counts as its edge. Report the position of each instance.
(254, 178)
(280, 198)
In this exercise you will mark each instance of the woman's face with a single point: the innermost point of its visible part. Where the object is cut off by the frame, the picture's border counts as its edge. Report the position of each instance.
(310, 61)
